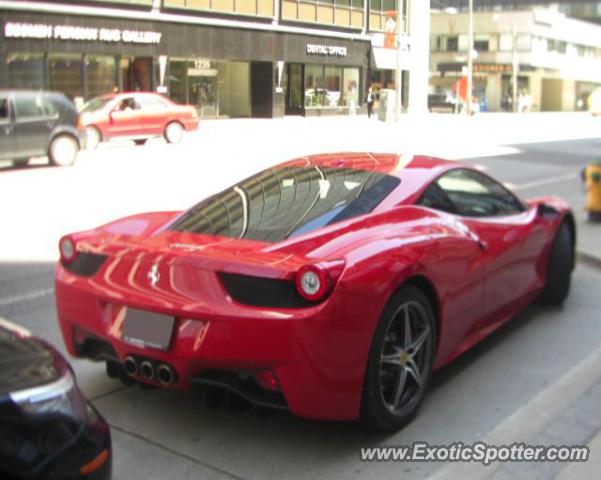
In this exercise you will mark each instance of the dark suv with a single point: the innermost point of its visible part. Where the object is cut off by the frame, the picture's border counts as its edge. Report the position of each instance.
(35, 124)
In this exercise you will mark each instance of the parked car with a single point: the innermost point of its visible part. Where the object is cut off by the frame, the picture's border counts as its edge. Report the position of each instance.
(331, 285)
(136, 116)
(441, 102)
(48, 430)
(37, 124)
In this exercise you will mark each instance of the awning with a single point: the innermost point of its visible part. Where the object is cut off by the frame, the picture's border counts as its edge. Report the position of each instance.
(385, 58)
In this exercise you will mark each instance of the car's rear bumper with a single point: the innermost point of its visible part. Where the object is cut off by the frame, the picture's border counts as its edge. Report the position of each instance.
(318, 362)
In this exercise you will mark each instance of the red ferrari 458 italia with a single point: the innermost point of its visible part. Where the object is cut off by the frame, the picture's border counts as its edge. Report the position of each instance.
(331, 285)
(136, 116)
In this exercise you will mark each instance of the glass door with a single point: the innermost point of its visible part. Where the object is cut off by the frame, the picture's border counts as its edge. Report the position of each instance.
(294, 89)
(202, 92)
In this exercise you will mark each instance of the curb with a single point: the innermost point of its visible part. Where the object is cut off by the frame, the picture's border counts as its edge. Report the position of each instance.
(529, 421)
(588, 258)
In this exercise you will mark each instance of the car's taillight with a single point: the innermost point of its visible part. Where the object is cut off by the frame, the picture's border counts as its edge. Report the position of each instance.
(68, 249)
(80, 125)
(314, 282)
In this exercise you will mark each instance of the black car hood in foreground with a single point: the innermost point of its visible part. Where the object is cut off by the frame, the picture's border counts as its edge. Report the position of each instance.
(25, 362)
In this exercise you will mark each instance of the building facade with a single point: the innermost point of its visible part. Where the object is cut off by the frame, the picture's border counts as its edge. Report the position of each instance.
(558, 58)
(589, 10)
(230, 58)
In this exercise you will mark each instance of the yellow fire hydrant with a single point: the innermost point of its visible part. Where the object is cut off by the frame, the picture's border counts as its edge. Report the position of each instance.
(592, 179)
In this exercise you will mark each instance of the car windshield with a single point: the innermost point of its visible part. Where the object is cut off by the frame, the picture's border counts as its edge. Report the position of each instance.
(285, 202)
(97, 103)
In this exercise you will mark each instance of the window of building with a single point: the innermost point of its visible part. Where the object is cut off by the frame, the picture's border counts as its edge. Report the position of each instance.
(343, 13)
(315, 91)
(331, 86)
(523, 42)
(378, 10)
(26, 70)
(452, 44)
(259, 8)
(100, 74)
(65, 74)
(481, 43)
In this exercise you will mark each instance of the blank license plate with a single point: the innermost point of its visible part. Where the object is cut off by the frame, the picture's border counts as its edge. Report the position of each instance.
(148, 329)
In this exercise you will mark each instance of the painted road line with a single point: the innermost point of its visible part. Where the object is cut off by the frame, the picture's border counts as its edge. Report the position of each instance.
(532, 418)
(547, 181)
(4, 302)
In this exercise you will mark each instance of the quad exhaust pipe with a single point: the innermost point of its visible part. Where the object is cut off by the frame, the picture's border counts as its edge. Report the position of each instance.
(130, 366)
(163, 374)
(146, 370)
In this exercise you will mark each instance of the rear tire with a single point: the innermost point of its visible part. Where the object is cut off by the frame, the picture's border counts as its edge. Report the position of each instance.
(559, 268)
(174, 131)
(140, 141)
(399, 367)
(63, 150)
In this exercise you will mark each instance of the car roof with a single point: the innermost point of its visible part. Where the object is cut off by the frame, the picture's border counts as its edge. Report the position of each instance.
(393, 164)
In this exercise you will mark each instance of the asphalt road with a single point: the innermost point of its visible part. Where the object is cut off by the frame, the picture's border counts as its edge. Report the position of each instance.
(159, 434)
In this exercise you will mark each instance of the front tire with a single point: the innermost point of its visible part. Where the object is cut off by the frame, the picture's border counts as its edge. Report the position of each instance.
(559, 268)
(63, 150)
(400, 361)
(174, 132)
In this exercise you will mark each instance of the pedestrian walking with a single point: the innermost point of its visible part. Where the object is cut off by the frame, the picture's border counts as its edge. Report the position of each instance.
(370, 99)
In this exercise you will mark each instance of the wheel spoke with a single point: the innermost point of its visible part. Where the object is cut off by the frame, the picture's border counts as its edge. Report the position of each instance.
(391, 359)
(399, 387)
(407, 326)
(414, 372)
(415, 347)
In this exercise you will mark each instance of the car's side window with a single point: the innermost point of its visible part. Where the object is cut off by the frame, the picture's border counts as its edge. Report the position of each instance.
(127, 104)
(28, 107)
(436, 198)
(151, 103)
(50, 109)
(476, 195)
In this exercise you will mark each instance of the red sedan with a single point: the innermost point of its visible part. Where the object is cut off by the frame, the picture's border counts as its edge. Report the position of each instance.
(331, 285)
(135, 116)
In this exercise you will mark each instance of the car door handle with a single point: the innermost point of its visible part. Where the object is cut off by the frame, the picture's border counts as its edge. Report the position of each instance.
(481, 243)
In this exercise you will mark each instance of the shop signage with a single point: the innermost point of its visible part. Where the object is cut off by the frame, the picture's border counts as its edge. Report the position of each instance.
(85, 34)
(327, 50)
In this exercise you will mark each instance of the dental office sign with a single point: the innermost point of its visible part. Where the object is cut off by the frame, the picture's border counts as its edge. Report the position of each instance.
(43, 31)
(327, 50)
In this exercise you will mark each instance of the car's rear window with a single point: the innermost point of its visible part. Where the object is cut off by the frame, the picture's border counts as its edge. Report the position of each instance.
(280, 203)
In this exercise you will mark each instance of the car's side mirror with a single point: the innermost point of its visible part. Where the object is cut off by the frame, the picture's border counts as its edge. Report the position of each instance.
(544, 210)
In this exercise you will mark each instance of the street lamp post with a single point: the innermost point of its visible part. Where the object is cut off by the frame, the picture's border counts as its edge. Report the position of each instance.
(514, 67)
(399, 71)
(470, 60)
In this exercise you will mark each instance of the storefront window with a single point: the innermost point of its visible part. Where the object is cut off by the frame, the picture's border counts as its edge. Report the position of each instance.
(101, 75)
(315, 91)
(65, 74)
(25, 70)
(176, 80)
(331, 86)
(333, 83)
(350, 90)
